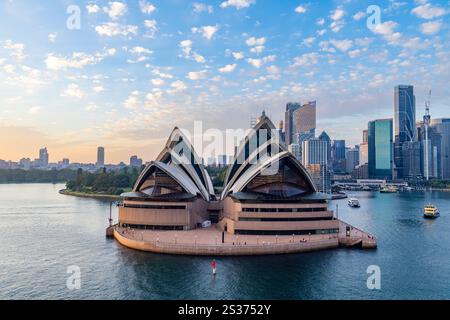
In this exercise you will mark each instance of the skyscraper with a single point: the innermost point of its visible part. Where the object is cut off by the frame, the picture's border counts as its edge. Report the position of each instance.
(43, 157)
(289, 121)
(304, 119)
(295, 150)
(314, 151)
(431, 158)
(100, 156)
(442, 126)
(338, 154)
(381, 149)
(135, 162)
(315, 159)
(299, 119)
(404, 123)
(364, 148)
(325, 137)
(351, 159)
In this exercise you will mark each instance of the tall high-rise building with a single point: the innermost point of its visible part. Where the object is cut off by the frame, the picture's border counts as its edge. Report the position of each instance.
(442, 126)
(321, 176)
(289, 121)
(315, 159)
(135, 162)
(304, 119)
(411, 153)
(100, 156)
(43, 157)
(325, 137)
(339, 149)
(295, 150)
(364, 148)
(281, 132)
(381, 149)
(431, 166)
(404, 123)
(299, 119)
(314, 151)
(351, 159)
(338, 155)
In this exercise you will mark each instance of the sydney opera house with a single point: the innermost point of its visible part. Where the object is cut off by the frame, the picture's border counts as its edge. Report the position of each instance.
(266, 191)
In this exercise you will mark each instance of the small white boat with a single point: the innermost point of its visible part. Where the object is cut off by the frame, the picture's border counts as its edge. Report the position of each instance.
(354, 203)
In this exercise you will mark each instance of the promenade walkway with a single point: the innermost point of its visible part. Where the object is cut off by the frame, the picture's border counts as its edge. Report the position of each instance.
(209, 242)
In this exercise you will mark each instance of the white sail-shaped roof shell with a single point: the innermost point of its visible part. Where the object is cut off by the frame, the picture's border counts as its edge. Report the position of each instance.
(239, 175)
(179, 160)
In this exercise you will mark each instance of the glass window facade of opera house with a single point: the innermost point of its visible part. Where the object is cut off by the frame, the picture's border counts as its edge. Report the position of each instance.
(266, 191)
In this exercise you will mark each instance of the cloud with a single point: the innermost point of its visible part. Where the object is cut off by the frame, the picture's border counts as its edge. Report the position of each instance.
(116, 9)
(34, 110)
(273, 69)
(359, 15)
(158, 82)
(306, 59)
(308, 41)
(146, 7)
(78, 60)
(73, 91)
(343, 45)
(140, 50)
(52, 37)
(238, 4)
(17, 49)
(186, 48)
(178, 86)
(387, 30)
(228, 68)
(112, 29)
(300, 9)
(98, 89)
(92, 8)
(257, 63)
(320, 22)
(151, 26)
(133, 101)
(431, 27)
(427, 11)
(197, 75)
(337, 17)
(206, 31)
(201, 7)
(255, 41)
(238, 55)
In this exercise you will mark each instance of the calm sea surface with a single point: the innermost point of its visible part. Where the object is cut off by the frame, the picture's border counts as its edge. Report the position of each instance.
(43, 233)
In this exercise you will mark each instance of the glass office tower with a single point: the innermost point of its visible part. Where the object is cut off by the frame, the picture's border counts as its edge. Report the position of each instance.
(405, 123)
(381, 149)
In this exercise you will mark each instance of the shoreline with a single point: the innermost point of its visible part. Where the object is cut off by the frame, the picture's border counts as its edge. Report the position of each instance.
(89, 195)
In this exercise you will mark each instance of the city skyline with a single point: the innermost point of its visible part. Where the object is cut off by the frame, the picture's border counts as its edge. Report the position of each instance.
(133, 67)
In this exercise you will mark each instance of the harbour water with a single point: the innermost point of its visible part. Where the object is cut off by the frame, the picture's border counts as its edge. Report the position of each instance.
(43, 233)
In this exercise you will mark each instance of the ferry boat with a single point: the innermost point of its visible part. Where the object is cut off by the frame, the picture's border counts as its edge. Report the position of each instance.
(431, 211)
(389, 189)
(354, 203)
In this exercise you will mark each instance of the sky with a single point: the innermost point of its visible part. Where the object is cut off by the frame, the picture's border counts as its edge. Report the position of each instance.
(75, 75)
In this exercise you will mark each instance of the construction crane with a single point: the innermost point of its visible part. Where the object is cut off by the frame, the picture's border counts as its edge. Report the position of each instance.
(427, 121)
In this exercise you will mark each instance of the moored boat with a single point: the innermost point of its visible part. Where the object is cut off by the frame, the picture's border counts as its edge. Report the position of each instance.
(388, 189)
